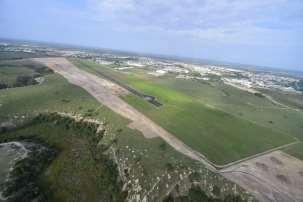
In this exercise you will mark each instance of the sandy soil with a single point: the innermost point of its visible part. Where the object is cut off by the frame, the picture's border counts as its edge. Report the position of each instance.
(276, 176)
(107, 93)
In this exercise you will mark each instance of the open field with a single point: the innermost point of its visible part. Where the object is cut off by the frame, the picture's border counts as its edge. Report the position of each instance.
(221, 136)
(18, 73)
(147, 160)
(219, 96)
(11, 55)
(291, 99)
(219, 121)
(107, 93)
(8, 75)
(242, 104)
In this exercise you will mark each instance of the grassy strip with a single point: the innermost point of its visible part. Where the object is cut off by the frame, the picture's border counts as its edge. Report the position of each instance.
(295, 150)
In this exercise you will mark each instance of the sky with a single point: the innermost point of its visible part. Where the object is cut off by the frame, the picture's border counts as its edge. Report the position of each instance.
(259, 32)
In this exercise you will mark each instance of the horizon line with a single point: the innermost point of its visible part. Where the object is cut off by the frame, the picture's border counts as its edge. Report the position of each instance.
(160, 56)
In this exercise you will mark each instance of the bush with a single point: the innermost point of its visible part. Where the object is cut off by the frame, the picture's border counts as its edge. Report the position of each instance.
(3, 86)
(169, 166)
(259, 95)
(25, 81)
(163, 146)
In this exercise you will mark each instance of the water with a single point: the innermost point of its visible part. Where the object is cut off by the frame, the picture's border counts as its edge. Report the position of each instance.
(9, 153)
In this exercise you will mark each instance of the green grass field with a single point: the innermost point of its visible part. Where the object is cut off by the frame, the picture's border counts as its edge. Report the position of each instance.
(295, 150)
(147, 159)
(212, 118)
(9, 55)
(291, 99)
(8, 75)
(242, 104)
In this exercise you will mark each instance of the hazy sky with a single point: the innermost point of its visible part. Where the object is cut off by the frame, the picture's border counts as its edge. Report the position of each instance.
(262, 32)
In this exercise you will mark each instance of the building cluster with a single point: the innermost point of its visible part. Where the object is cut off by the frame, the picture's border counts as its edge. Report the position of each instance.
(242, 78)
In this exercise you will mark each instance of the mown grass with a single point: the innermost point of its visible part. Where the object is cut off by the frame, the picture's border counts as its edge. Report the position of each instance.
(188, 113)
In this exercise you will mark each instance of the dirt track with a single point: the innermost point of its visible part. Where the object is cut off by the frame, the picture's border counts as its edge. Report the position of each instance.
(107, 93)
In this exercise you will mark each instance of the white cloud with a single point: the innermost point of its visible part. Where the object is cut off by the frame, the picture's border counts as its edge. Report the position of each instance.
(110, 6)
(224, 21)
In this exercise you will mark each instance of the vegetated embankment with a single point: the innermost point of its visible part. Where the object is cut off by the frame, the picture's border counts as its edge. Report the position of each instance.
(19, 73)
(80, 163)
(22, 181)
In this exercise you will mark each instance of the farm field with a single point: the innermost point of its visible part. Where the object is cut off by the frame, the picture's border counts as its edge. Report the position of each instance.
(190, 113)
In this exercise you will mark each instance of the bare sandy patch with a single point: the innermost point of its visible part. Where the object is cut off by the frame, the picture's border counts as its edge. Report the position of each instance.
(274, 176)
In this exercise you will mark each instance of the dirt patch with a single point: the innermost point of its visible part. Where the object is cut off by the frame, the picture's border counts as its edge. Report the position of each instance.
(262, 166)
(283, 179)
(276, 161)
(273, 183)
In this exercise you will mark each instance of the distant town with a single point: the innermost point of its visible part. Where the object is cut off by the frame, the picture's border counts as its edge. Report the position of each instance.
(249, 80)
